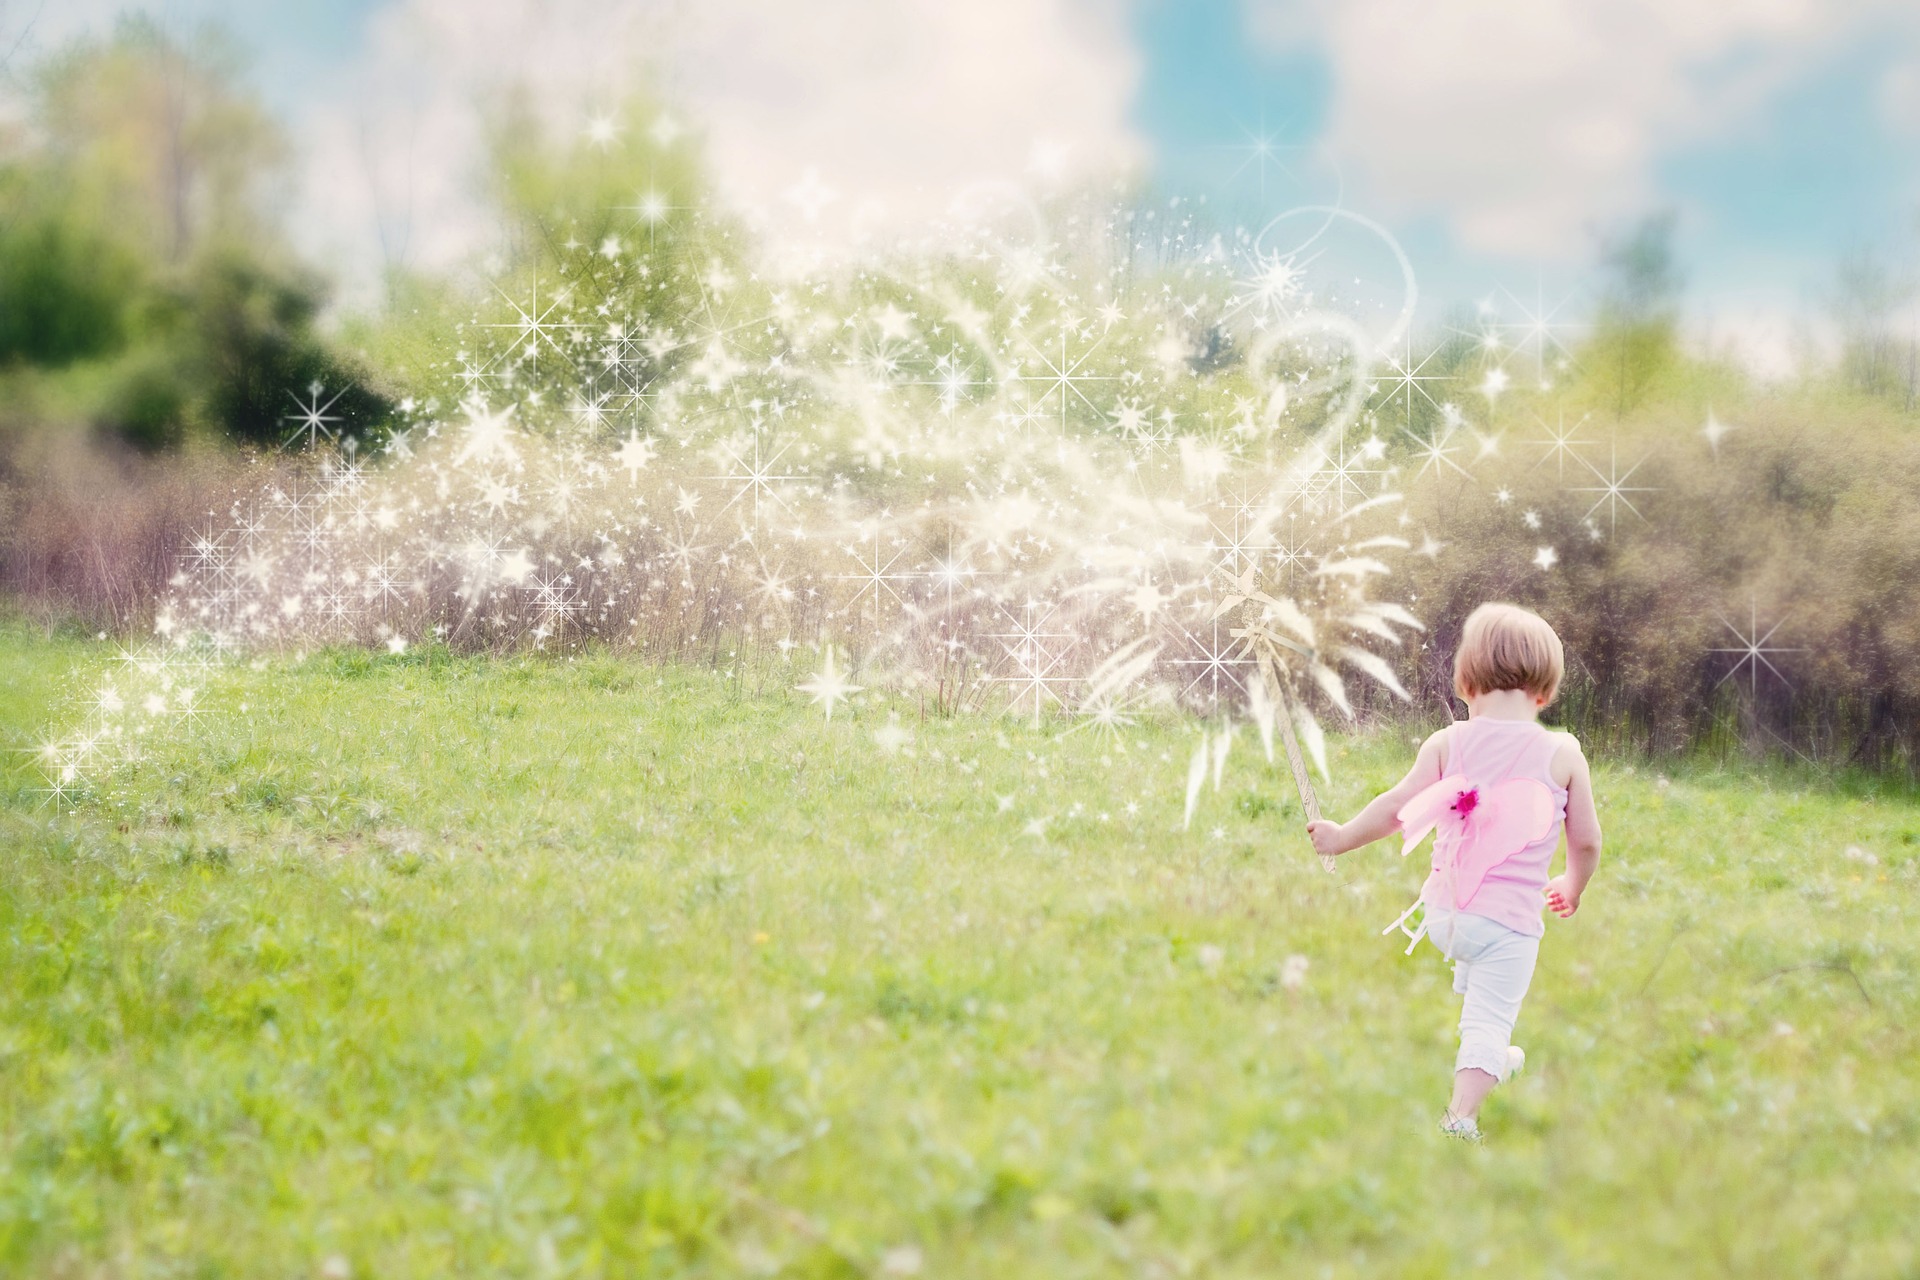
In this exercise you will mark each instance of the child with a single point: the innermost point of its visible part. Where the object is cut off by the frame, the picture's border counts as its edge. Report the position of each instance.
(1482, 899)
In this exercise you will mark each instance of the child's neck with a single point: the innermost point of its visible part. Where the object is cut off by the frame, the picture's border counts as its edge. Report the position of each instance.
(1503, 704)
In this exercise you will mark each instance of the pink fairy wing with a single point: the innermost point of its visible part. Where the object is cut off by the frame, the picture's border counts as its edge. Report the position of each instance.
(1421, 814)
(1509, 816)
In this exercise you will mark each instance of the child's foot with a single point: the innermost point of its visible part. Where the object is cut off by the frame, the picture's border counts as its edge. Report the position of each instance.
(1516, 1062)
(1465, 1128)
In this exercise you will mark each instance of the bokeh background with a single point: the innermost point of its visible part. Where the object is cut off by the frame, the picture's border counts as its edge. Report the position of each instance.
(1679, 240)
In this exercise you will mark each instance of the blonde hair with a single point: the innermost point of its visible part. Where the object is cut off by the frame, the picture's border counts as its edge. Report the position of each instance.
(1503, 646)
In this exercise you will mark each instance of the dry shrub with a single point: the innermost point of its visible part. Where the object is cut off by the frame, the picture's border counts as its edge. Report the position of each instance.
(90, 532)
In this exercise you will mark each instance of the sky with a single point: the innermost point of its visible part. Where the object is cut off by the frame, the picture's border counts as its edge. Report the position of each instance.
(1500, 142)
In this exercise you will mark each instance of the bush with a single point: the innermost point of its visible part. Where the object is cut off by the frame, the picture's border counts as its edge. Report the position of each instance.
(257, 352)
(63, 292)
(1799, 532)
(146, 405)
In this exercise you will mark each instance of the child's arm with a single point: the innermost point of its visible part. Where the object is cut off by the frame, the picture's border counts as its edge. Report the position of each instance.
(1583, 832)
(1382, 816)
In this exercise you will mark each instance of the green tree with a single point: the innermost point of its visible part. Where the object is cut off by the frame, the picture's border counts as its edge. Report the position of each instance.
(619, 249)
(64, 289)
(159, 131)
(142, 269)
(1636, 327)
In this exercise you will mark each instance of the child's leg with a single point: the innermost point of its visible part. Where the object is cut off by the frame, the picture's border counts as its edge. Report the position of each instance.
(1471, 1086)
(1493, 984)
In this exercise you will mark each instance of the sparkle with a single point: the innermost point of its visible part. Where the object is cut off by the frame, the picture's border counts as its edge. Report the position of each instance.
(313, 422)
(1714, 432)
(536, 327)
(1037, 655)
(1407, 381)
(877, 576)
(1261, 150)
(1213, 669)
(1613, 490)
(1010, 480)
(758, 478)
(1756, 650)
(1063, 377)
(1435, 451)
(1561, 442)
(1539, 330)
(1345, 477)
(954, 378)
(1274, 284)
(633, 455)
(602, 131)
(829, 686)
(654, 209)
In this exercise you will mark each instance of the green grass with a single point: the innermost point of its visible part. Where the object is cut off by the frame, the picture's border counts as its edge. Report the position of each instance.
(434, 966)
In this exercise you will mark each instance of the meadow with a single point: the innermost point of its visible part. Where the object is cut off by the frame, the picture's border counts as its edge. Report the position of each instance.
(436, 965)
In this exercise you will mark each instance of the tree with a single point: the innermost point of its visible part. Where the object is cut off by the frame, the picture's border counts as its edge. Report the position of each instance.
(63, 289)
(1866, 295)
(159, 131)
(1637, 325)
(142, 266)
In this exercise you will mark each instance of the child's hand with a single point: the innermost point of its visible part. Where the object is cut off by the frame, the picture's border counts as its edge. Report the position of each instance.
(1327, 838)
(1562, 899)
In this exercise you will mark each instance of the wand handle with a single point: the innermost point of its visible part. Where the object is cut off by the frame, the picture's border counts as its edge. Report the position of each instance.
(1308, 801)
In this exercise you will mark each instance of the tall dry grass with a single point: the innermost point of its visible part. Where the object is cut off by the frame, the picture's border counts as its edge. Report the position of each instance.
(91, 531)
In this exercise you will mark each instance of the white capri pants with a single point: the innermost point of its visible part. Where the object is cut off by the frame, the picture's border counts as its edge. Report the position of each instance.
(1492, 966)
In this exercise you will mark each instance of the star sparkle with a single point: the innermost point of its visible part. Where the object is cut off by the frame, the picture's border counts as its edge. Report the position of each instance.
(313, 423)
(1613, 489)
(1063, 377)
(1560, 443)
(829, 686)
(1755, 650)
(1036, 654)
(1540, 331)
(1406, 381)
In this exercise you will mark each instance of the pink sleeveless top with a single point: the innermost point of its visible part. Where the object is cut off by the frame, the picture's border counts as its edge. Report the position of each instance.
(1485, 752)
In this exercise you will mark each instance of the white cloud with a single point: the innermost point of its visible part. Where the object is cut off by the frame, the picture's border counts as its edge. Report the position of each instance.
(1773, 335)
(1525, 122)
(30, 29)
(1900, 97)
(890, 105)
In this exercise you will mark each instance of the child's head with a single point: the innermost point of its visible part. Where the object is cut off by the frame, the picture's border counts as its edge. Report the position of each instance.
(1506, 647)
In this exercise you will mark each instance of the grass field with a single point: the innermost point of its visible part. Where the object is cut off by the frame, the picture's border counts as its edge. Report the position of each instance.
(435, 966)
